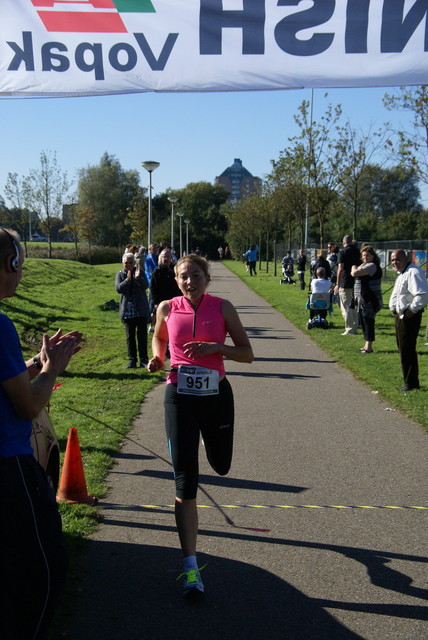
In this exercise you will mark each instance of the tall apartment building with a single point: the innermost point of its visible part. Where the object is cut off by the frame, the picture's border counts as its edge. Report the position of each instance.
(238, 181)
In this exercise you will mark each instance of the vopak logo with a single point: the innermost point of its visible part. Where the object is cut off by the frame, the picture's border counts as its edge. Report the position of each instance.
(88, 16)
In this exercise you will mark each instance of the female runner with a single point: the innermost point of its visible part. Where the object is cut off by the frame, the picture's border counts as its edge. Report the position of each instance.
(198, 397)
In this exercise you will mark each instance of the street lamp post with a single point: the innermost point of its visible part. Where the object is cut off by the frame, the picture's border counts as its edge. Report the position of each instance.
(173, 200)
(180, 215)
(150, 166)
(187, 222)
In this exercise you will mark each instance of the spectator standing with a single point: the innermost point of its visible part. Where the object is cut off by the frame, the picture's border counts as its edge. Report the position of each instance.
(349, 256)
(251, 256)
(134, 311)
(163, 285)
(33, 556)
(301, 266)
(150, 264)
(332, 258)
(151, 261)
(407, 302)
(220, 252)
(368, 294)
(321, 261)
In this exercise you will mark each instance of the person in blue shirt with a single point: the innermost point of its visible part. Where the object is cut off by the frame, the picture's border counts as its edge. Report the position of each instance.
(33, 557)
(251, 256)
(150, 265)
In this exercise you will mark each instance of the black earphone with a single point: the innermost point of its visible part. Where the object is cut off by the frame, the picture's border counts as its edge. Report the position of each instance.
(15, 262)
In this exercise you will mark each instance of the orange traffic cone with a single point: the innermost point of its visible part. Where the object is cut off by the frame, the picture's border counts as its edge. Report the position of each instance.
(72, 488)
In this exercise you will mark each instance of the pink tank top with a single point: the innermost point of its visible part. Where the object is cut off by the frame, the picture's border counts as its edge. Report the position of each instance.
(204, 323)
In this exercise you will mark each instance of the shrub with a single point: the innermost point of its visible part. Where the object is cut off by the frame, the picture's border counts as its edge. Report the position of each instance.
(62, 251)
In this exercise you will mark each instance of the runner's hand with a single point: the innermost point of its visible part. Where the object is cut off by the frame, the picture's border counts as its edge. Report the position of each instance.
(155, 364)
(195, 350)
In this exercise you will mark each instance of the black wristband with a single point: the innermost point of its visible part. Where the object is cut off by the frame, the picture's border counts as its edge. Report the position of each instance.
(37, 363)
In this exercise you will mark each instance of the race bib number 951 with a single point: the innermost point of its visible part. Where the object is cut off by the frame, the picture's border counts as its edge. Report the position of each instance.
(197, 381)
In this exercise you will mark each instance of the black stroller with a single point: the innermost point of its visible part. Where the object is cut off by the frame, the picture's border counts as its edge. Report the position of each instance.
(287, 274)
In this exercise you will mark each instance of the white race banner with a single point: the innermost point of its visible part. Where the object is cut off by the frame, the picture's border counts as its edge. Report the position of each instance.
(90, 47)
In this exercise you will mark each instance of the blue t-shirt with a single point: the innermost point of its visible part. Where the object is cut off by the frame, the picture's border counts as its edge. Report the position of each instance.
(15, 432)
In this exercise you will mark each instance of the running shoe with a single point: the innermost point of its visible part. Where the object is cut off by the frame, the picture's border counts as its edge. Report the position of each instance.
(193, 584)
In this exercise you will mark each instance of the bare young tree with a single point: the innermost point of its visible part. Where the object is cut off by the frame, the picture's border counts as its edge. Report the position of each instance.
(46, 189)
(358, 150)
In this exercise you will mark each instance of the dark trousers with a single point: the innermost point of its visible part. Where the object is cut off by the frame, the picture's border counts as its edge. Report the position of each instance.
(136, 331)
(252, 265)
(406, 332)
(33, 557)
(301, 275)
(186, 417)
(368, 326)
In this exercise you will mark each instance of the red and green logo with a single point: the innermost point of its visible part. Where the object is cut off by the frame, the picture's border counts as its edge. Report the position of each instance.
(88, 16)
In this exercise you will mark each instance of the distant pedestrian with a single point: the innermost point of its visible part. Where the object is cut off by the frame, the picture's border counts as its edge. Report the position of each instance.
(251, 256)
(408, 300)
(220, 252)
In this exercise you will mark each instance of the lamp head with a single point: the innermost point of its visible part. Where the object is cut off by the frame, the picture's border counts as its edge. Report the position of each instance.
(150, 165)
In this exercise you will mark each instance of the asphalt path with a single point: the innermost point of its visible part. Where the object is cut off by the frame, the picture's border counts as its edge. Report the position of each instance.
(317, 533)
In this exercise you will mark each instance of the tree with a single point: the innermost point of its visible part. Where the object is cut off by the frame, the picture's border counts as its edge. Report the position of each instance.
(357, 150)
(137, 218)
(45, 190)
(290, 190)
(319, 144)
(202, 202)
(109, 191)
(413, 143)
(393, 189)
(16, 190)
(71, 224)
(87, 226)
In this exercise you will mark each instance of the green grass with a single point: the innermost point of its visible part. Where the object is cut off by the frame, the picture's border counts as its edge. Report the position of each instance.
(381, 371)
(63, 294)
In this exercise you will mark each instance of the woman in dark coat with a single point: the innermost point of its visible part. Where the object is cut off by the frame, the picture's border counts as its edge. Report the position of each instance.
(321, 261)
(131, 283)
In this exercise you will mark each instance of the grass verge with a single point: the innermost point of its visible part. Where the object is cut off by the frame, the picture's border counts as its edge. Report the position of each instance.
(380, 371)
(66, 294)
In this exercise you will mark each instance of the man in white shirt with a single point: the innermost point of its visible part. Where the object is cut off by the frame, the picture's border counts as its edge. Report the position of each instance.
(408, 299)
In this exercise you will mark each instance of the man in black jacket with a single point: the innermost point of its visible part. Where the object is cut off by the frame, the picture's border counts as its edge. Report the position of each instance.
(348, 256)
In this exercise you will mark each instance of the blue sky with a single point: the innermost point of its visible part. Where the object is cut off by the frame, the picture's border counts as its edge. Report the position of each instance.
(194, 136)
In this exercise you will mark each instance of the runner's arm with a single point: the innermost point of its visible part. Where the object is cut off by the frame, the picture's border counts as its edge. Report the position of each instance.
(160, 338)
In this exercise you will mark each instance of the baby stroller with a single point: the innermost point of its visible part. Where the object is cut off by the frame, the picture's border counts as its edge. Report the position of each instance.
(288, 274)
(319, 305)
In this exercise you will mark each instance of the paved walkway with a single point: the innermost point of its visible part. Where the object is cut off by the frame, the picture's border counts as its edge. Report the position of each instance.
(302, 538)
